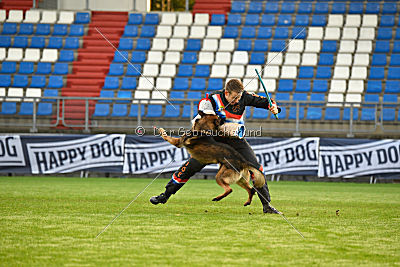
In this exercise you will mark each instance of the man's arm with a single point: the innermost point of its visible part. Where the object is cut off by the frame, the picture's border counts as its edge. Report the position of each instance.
(260, 102)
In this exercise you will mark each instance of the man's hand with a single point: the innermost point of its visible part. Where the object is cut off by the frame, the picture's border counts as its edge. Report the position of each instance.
(274, 107)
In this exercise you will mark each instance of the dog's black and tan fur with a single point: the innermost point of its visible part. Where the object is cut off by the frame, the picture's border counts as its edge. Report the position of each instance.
(202, 147)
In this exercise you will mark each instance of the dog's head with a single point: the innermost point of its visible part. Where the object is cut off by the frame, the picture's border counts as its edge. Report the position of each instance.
(207, 122)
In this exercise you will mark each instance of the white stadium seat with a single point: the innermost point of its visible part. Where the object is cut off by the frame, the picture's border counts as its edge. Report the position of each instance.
(337, 86)
(271, 72)
(32, 92)
(250, 71)
(251, 84)
(335, 20)
(270, 85)
(315, 33)
(181, 32)
(176, 44)
(226, 45)
(150, 70)
(146, 83)
(292, 59)
(201, 19)
(335, 99)
(353, 20)
(274, 58)
(309, 59)
(154, 57)
(359, 72)
(367, 33)
(356, 86)
(14, 54)
(141, 94)
(164, 83)
(219, 71)
(206, 58)
(32, 54)
(341, 73)
(364, 46)
(15, 94)
(240, 57)
(168, 19)
(350, 33)
(49, 17)
(49, 55)
(158, 97)
(2, 15)
(347, 46)
(289, 72)
(172, 57)
(164, 31)
(313, 46)
(370, 20)
(361, 60)
(168, 70)
(2, 53)
(185, 19)
(15, 16)
(214, 32)
(332, 33)
(66, 17)
(236, 71)
(353, 98)
(2, 93)
(223, 58)
(210, 45)
(296, 46)
(198, 32)
(344, 59)
(32, 16)
(159, 44)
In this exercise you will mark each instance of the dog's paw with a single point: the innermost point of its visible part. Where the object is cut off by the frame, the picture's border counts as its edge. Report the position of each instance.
(216, 199)
(246, 203)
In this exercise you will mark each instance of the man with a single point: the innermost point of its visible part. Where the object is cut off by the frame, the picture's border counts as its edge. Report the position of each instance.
(229, 105)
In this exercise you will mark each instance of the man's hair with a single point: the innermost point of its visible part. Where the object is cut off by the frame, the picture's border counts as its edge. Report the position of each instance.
(234, 85)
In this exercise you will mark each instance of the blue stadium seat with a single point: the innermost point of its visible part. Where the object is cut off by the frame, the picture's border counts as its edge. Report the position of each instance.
(130, 31)
(300, 97)
(280, 96)
(374, 86)
(284, 20)
(193, 45)
(128, 83)
(396, 47)
(338, 8)
(382, 46)
(393, 73)
(43, 68)
(371, 99)
(193, 95)
(384, 33)
(252, 20)
(257, 58)
(185, 70)
(20, 81)
(249, 112)
(154, 111)
(71, 43)
(264, 33)
(238, 7)
(323, 72)
(285, 85)
(320, 86)
(255, 7)
(299, 33)
(125, 44)
(332, 113)
(38, 81)
(148, 31)
(8, 67)
(244, 45)
(215, 84)
(5, 41)
(189, 58)
(198, 84)
(377, 73)
(45, 109)
(248, 32)
(392, 87)
(347, 114)
(25, 29)
(202, 71)
(389, 8)
(186, 111)
(326, 59)
(143, 44)
(119, 110)
(26, 108)
(314, 113)
(8, 108)
(116, 69)
(101, 110)
(329, 46)
(306, 72)
(135, 19)
(138, 57)
(281, 33)
(106, 94)
(390, 99)
(271, 7)
(321, 8)
(181, 83)
(288, 7)
(55, 82)
(388, 114)
(134, 112)
(395, 60)
(151, 19)
(302, 20)
(134, 70)
(318, 20)
(315, 97)
(5, 80)
(82, 18)
(356, 8)
(372, 8)
(267, 20)
(293, 113)
(26, 67)
(217, 19)
(20, 41)
(50, 93)
(42, 29)
(37, 42)
(172, 112)
(387, 21)
(55, 42)
(177, 95)
(9, 29)
(278, 45)
(368, 114)
(231, 32)
(122, 95)
(60, 29)
(66, 56)
(111, 82)
(303, 86)
(304, 8)
(397, 37)
(260, 113)
(260, 45)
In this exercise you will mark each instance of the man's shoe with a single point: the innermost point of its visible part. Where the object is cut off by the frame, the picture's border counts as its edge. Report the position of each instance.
(271, 210)
(162, 198)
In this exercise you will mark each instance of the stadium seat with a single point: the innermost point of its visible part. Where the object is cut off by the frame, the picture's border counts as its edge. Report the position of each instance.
(20, 81)
(26, 108)
(252, 20)
(133, 70)
(25, 29)
(122, 95)
(201, 19)
(323, 72)
(202, 71)
(55, 82)
(347, 114)
(288, 7)
(50, 93)
(377, 73)
(71, 43)
(172, 111)
(9, 29)
(185, 19)
(167, 70)
(101, 110)
(164, 31)
(214, 84)
(374, 86)
(5, 80)
(130, 31)
(368, 114)
(303, 86)
(314, 113)
(210, 45)
(5, 41)
(151, 19)
(267, 20)
(38, 81)
(217, 19)
(15, 16)
(8, 67)
(25, 67)
(143, 44)
(271, 7)
(389, 8)
(356, 8)
(135, 19)
(147, 31)
(111, 82)
(278, 45)
(234, 20)
(304, 8)
(332, 113)
(255, 7)
(32, 54)
(384, 33)
(281, 33)
(284, 20)
(264, 33)
(293, 113)
(154, 111)
(116, 69)
(168, 19)
(8, 108)
(55, 42)
(372, 8)
(134, 112)
(128, 83)
(138, 57)
(32, 16)
(198, 84)
(181, 83)
(285, 85)
(60, 30)
(51, 55)
(248, 32)
(321, 8)
(197, 32)
(37, 42)
(302, 20)
(106, 94)
(45, 109)
(329, 46)
(320, 86)
(392, 87)
(388, 114)
(244, 45)
(119, 110)
(231, 32)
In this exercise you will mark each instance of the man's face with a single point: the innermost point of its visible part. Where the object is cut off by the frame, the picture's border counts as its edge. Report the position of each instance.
(233, 97)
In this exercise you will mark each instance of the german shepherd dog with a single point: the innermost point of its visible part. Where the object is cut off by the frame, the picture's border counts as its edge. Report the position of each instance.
(233, 166)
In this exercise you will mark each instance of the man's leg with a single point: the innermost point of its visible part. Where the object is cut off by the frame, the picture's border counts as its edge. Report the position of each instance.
(241, 146)
(179, 178)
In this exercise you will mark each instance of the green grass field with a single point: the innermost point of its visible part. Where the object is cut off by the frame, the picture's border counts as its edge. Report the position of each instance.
(54, 221)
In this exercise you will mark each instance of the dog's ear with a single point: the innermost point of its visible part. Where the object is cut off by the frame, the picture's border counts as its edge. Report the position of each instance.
(201, 113)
